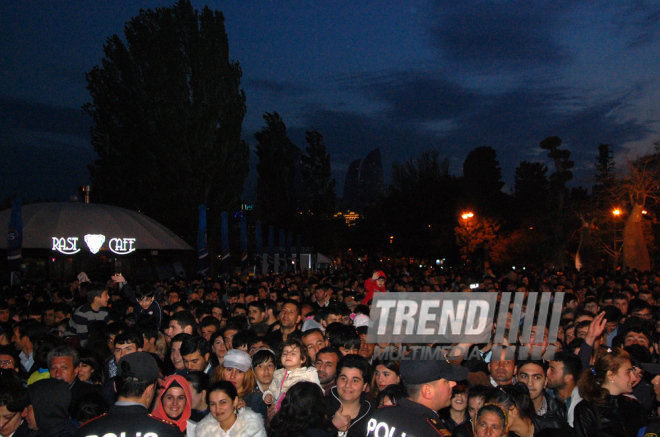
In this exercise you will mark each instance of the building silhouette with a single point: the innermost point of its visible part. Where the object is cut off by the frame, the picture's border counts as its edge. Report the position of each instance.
(364, 184)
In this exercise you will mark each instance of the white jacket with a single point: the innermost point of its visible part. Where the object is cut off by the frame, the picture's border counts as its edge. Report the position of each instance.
(277, 387)
(248, 424)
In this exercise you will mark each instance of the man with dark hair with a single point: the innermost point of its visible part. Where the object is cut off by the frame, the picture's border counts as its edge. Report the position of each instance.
(344, 338)
(4, 311)
(331, 314)
(125, 343)
(641, 309)
(173, 296)
(149, 336)
(8, 358)
(271, 313)
(175, 354)
(326, 366)
(208, 326)
(502, 370)
(244, 339)
(48, 314)
(563, 374)
(62, 311)
(620, 301)
(613, 316)
(323, 295)
(181, 322)
(257, 317)
(136, 387)
(12, 423)
(289, 319)
(143, 300)
(26, 334)
(637, 331)
(93, 311)
(532, 373)
(349, 410)
(218, 311)
(429, 384)
(313, 340)
(195, 352)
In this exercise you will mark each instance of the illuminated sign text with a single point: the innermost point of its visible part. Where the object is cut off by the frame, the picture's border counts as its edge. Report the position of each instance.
(67, 246)
(95, 242)
(122, 246)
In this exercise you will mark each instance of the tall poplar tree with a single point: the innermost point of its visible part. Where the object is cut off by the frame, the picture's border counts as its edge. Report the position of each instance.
(167, 109)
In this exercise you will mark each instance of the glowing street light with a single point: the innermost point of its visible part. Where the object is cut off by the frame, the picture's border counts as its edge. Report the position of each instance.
(467, 215)
(616, 213)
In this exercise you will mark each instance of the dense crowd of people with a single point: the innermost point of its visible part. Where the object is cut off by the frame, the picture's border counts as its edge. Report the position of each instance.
(287, 355)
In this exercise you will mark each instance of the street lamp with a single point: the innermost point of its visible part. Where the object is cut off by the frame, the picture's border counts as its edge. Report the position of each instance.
(467, 215)
(617, 213)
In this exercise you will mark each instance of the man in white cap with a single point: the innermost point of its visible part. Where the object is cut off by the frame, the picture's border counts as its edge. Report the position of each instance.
(429, 384)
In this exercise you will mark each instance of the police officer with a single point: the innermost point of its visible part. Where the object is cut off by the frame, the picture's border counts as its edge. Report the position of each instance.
(137, 374)
(429, 384)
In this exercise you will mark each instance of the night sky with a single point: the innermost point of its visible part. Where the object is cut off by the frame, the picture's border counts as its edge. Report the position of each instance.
(405, 76)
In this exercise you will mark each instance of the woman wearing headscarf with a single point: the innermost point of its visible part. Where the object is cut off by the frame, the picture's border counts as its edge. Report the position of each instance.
(175, 404)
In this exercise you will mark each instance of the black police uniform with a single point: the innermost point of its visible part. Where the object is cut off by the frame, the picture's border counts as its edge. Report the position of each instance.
(128, 421)
(408, 418)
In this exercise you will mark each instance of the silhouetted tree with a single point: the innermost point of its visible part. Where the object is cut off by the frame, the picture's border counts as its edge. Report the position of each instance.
(482, 181)
(420, 210)
(276, 192)
(558, 196)
(531, 192)
(317, 176)
(167, 109)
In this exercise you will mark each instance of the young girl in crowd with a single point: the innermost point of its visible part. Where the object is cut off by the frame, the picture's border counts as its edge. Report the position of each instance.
(296, 368)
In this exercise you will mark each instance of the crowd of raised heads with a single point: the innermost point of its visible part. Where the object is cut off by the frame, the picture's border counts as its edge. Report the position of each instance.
(287, 355)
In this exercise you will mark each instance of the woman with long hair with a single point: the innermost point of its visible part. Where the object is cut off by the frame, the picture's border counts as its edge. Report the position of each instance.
(226, 419)
(385, 373)
(90, 369)
(174, 403)
(605, 410)
(519, 408)
(302, 414)
(218, 347)
(237, 369)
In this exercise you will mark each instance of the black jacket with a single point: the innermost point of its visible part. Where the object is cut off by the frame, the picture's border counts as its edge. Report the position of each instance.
(408, 418)
(128, 421)
(619, 416)
(358, 426)
(556, 416)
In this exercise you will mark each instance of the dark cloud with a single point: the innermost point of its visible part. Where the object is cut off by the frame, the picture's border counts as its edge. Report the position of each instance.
(349, 135)
(513, 123)
(517, 35)
(641, 22)
(419, 96)
(283, 89)
(20, 115)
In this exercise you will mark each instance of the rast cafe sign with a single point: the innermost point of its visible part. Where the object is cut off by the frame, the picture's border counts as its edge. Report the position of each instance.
(94, 242)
